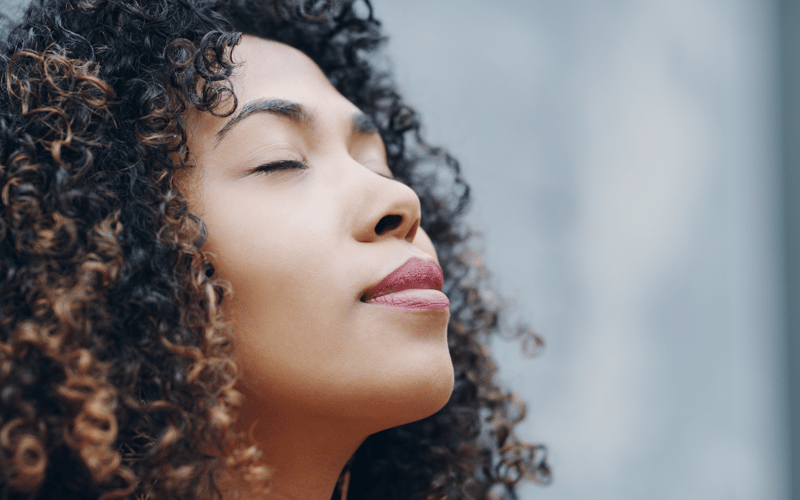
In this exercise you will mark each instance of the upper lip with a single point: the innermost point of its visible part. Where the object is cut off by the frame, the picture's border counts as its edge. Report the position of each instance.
(415, 273)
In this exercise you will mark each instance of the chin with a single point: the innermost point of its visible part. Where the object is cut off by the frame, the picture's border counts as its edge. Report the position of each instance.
(417, 396)
(434, 399)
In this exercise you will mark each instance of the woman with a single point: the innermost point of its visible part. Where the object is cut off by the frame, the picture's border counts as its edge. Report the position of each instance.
(220, 258)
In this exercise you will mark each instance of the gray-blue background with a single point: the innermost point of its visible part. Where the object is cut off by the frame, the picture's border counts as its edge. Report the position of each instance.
(625, 161)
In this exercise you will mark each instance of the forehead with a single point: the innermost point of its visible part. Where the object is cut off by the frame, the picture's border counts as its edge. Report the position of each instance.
(266, 66)
(269, 69)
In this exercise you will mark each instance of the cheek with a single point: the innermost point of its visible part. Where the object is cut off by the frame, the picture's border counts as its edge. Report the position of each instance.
(290, 321)
(308, 345)
(302, 339)
(264, 242)
(280, 280)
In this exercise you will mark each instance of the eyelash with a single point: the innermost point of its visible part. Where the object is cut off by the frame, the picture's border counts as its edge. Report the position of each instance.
(280, 165)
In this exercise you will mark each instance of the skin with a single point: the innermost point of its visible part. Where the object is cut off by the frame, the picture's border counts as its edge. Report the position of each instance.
(300, 243)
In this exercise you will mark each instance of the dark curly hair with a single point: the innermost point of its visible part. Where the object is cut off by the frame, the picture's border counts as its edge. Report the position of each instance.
(115, 372)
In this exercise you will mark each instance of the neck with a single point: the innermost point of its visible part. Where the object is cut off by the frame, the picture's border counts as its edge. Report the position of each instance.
(305, 454)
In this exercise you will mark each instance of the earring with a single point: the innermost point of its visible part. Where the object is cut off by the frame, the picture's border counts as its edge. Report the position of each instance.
(208, 270)
(345, 484)
(344, 480)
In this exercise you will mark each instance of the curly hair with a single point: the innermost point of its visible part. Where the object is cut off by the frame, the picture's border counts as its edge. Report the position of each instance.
(115, 373)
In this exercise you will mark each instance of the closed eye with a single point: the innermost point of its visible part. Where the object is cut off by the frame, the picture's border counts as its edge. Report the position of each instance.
(280, 165)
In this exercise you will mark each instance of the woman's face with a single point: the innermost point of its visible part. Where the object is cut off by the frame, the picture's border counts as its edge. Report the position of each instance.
(303, 220)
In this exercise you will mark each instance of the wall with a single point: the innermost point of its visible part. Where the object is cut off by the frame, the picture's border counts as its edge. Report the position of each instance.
(625, 164)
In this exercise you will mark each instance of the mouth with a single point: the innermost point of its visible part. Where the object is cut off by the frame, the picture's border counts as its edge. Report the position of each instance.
(417, 284)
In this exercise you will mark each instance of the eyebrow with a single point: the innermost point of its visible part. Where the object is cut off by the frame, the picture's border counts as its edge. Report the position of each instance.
(287, 109)
(362, 124)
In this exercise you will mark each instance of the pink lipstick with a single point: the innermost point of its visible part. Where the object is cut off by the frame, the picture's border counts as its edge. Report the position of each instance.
(417, 284)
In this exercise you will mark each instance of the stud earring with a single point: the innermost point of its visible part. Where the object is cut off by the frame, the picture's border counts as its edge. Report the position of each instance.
(344, 480)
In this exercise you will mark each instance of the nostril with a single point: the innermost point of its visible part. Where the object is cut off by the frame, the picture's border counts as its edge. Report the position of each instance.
(388, 223)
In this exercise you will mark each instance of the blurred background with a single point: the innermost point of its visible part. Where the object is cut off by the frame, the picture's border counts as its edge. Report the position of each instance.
(629, 162)
(635, 167)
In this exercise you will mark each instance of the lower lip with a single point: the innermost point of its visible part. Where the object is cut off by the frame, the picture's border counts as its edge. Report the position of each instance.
(413, 299)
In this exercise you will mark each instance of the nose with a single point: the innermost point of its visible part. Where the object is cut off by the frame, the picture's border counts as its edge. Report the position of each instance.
(390, 210)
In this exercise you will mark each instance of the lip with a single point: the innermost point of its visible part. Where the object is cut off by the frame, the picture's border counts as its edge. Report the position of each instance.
(417, 284)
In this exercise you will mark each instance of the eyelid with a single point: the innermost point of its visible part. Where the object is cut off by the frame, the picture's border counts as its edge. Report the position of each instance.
(389, 176)
(369, 149)
(280, 165)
